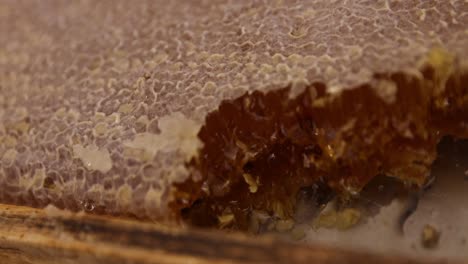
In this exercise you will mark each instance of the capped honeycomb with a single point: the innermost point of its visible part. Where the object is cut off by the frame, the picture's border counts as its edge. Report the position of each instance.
(153, 108)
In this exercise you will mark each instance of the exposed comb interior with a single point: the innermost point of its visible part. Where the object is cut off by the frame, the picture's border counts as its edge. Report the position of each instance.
(261, 149)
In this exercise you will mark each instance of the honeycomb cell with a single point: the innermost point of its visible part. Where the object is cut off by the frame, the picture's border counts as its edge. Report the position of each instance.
(95, 93)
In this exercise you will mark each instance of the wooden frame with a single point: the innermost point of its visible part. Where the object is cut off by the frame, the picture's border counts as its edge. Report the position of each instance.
(29, 235)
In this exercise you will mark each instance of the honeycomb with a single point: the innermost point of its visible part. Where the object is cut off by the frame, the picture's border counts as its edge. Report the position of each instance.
(111, 106)
(261, 150)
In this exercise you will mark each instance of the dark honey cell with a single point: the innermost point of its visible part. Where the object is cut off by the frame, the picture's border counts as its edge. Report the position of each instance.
(261, 151)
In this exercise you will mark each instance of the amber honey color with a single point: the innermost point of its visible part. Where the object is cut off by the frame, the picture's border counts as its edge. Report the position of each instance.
(261, 149)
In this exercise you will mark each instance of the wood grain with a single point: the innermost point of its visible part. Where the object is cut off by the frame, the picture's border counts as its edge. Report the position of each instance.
(30, 235)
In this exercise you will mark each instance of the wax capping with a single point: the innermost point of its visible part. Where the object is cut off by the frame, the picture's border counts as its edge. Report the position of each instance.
(211, 112)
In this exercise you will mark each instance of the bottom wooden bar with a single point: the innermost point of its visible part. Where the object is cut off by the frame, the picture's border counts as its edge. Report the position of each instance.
(29, 235)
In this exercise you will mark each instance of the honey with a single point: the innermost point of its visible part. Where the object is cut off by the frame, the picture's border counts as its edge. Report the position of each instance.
(261, 149)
